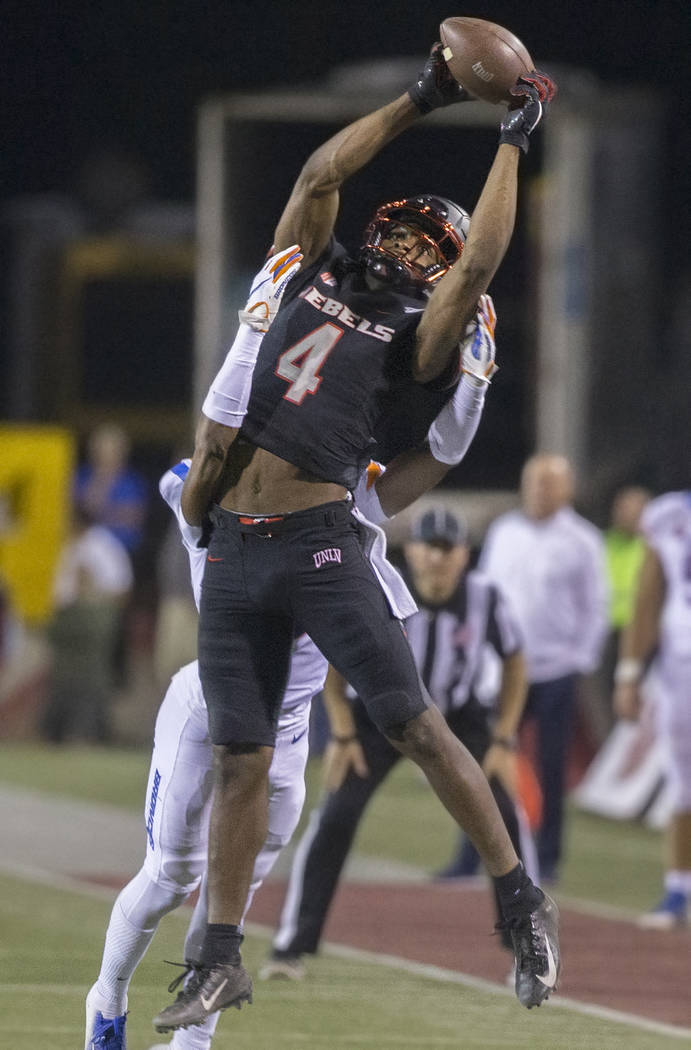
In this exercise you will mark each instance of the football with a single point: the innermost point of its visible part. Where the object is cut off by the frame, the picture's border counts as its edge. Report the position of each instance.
(484, 57)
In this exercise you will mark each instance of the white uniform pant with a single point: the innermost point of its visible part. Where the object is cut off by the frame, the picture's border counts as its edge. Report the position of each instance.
(178, 799)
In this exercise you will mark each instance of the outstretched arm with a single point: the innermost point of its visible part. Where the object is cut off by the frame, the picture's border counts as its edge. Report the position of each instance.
(454, 301)
(211, 443)
(417, 471)
(225, 404)
(310, 213)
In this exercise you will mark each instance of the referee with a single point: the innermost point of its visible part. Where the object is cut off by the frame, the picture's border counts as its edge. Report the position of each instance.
(467, 649)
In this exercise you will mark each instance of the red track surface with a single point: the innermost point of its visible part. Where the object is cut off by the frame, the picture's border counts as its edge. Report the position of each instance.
(607, 962)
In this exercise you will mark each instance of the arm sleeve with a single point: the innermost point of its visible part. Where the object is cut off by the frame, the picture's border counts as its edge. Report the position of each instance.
(170, 487)
(226, 401)
(452, 432)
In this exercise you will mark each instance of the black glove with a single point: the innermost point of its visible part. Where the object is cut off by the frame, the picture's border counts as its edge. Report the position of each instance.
(435, 86)
(532, 91)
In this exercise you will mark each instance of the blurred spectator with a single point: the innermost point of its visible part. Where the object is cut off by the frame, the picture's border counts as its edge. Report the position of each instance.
(624, 551)
(11, 627)
(109, 491)
(24, 662)
(93, 579)
(550, 563)
(661, 627)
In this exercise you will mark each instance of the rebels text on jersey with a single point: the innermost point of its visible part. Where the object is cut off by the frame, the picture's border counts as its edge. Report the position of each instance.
(336, 359)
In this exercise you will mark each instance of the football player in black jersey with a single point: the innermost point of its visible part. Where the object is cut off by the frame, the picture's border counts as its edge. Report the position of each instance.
(350, 341)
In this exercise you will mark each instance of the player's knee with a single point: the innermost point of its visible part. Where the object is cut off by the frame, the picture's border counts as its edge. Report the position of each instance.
(285, 809)
(180, 875)
(419, 738)
(148, 897)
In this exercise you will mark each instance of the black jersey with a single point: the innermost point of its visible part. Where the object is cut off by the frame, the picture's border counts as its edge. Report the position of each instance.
(335, 361)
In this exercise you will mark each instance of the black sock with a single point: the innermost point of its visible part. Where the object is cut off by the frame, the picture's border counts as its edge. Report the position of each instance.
(221, 944)
(517, 893)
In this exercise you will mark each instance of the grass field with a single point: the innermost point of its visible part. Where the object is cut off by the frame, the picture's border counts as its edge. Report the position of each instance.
(52, 938)
(404, 822)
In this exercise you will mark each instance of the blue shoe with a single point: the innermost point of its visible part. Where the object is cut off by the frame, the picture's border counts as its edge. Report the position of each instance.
(109, 1033)
(103, 1033)
(671, 912)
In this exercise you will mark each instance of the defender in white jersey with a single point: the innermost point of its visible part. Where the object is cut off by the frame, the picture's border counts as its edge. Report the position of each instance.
(176, 816)
(661, 628)
(180, 780)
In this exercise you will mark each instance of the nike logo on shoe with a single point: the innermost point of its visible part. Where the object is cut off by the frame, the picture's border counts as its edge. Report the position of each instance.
(209, 558)
(298, 736)
(550, 978)
(208, 1004)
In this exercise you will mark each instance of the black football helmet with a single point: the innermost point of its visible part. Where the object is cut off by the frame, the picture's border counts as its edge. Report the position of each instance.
(439, 221)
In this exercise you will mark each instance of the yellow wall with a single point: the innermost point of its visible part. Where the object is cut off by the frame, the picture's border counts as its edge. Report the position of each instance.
(36, 469)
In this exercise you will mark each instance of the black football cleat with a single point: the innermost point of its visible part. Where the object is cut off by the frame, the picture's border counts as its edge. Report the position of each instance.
(535, 938)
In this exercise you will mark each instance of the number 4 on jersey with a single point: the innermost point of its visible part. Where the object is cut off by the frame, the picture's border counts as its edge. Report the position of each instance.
(299, 365)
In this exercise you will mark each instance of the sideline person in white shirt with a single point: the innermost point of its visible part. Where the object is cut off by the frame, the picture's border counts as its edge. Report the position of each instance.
(550, 563)
(92, 582)
(661, 627)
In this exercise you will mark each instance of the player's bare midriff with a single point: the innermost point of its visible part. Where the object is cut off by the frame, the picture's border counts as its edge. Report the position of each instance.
(258, 482)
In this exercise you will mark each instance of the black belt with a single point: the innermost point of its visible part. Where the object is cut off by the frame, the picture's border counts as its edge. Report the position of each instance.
(328, 514)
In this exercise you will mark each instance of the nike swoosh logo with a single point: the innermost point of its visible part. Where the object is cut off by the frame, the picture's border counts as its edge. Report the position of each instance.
(550, 978)
(413, 309)
(209, 558)
(208, 1004)
(298, 736)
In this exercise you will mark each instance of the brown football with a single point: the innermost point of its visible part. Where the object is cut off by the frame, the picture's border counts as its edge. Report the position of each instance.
(484, 57)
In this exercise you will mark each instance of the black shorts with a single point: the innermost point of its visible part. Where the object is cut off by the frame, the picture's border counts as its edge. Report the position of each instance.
(267, 579)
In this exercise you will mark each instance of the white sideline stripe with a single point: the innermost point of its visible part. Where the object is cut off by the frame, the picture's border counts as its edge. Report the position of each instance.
(31, 873)
(438, 973)
(364, 868)
(599, 911)
(395, 962)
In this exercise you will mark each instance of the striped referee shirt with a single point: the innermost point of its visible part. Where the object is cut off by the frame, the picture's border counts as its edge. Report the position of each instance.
(458, 646)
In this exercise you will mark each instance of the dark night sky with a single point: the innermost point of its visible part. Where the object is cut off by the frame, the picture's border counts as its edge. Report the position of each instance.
(78, 75)
(134, 70)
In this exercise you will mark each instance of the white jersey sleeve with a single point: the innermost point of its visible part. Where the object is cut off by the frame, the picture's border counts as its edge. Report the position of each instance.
(226, 401)
(170, 487)
(451, 434)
